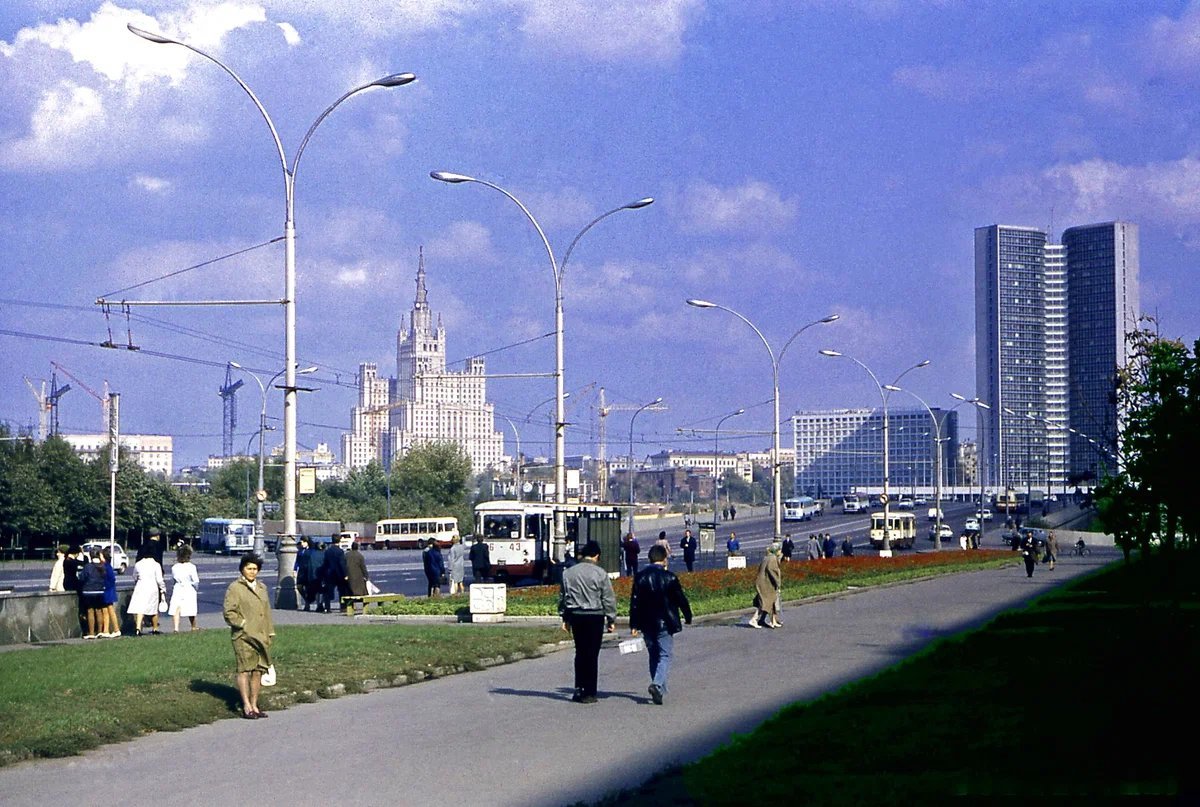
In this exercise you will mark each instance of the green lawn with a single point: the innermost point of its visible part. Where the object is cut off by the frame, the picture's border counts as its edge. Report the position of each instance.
(63, 700)
(1087, 692)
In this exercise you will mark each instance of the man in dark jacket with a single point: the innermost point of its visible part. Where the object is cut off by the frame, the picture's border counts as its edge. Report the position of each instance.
(689, 545)
(314, 586)
(654, 607)
(481, 561)
(335, 575)
(434, 566)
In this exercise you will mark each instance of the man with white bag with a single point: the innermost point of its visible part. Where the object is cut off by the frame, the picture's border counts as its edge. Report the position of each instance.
(655, 604)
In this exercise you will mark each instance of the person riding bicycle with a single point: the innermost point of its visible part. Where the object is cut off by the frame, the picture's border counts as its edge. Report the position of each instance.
(1080, 546)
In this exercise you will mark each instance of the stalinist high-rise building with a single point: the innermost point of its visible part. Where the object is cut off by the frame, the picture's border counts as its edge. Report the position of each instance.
(426, 403)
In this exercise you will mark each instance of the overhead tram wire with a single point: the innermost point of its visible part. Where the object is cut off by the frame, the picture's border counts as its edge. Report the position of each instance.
(200, 265)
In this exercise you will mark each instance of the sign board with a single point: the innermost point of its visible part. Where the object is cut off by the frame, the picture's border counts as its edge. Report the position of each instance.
(736, 562)
(114, 431)
(708, 536)
(306, 480)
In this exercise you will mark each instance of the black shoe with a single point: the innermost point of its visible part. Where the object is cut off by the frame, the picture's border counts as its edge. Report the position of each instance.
(588, 699)
(656, 694)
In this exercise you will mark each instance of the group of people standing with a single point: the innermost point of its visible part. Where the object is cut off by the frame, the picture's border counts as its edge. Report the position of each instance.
(438, 570)
(94, 581)
(325, 572)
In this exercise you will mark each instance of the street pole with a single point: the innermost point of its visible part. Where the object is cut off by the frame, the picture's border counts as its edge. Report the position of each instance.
(716, 456)
(560, 412)
(886, 550)
(285, 592)
(639, 411)
(777, 498)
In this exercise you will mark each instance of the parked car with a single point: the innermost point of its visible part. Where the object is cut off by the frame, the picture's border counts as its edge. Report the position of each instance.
(904, 504)
(920, 501)
(120, 560)
(986, 514)
(945, 532)
(972, 525)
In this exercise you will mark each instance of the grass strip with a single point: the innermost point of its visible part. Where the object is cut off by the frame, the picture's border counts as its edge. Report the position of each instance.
(718, 590)
(1087, 692)
(63, 700)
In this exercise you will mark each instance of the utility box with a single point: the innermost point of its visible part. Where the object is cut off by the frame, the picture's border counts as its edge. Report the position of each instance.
(489, 601)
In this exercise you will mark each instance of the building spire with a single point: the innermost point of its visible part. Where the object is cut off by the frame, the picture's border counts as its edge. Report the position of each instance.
(420, 302)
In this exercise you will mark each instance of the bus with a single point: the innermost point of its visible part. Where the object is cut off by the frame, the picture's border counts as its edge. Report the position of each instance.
(519, 536)
(227, 535)
(1006, 502)
(414, 533)
(801, 508)
(902, 530)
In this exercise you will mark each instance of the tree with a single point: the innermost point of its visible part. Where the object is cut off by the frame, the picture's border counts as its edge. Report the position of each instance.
(431, 479)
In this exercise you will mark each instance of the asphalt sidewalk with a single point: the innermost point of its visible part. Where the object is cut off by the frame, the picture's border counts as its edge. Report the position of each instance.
(509, 735)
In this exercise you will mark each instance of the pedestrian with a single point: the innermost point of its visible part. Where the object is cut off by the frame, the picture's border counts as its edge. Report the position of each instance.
(356, 571)
(1029, 551)
(813, 548)
(184, 596)
(847, 547)
(588, 608)
(248, 614)
(155, 546)
(766, 591)
(829, 546)
(786, 548)
(458, 557)
(630, 548)
(655, 603)
(91, 597)
(481, 561)
(57, 574)
(335, 576)
(733, 546)
(314, 586)
(689, 545)
(725, 513)
(300, 567)
(111, 624)
(435, 567)
(72, 568)
(732, 512)
(148, 590)
(1051, 549)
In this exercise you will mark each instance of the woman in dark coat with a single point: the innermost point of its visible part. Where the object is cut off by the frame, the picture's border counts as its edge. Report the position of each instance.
(435, 567)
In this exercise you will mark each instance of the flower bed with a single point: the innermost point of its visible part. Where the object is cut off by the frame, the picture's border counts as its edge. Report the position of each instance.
(717, 590)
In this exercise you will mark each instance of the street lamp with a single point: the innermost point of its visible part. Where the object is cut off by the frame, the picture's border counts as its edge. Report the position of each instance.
(629, 469)
(886, 550)
(978, 404)
(777, 498)
(261, 494)
(716, 456)
(286, 591)
(558, 269)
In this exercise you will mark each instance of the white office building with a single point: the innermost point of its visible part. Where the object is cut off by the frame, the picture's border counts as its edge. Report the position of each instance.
(155, 453)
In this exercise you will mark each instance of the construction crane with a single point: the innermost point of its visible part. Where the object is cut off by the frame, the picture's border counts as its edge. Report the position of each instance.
(229, 410)
(103, 399)
(604, 411)
(47, 405)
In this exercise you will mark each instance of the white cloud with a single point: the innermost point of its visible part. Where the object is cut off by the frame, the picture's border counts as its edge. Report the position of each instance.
(1101, 190)
(752, 207)
(649, 30)
(465, 241)
(66, 121)
(150, 184)
(711, 267)
(1172, 46)
(290, 34)
(945, 83)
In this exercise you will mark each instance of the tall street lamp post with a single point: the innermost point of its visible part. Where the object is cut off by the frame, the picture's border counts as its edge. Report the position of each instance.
(286, 590)
(716, 459)
(557, 268)
(629, 470)
(886, 550)
(776, 505)
(261, 493)
(978, 404)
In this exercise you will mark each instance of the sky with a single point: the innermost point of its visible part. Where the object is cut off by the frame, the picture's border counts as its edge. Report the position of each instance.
(806, 157)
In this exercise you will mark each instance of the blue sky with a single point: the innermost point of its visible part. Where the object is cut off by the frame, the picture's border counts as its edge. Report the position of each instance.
(807, 157)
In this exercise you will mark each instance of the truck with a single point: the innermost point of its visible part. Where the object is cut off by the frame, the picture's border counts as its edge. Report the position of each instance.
(853, 503)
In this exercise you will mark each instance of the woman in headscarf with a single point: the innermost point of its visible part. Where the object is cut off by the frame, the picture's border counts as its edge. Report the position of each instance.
(766, 590)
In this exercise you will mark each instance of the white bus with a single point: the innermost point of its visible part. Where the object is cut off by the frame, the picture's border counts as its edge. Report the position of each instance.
(519, 535)
(902, 530)
(801, 508)
(414, 533)
(228, 535)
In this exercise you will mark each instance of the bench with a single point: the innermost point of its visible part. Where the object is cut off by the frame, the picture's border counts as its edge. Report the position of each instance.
(349, 601)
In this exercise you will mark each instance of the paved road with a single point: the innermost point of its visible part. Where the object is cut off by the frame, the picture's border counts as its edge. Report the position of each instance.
(510, 735)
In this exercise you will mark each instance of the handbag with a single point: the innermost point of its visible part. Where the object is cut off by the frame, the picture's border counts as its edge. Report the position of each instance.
(162, 602)
(268, 678)
(372, 588)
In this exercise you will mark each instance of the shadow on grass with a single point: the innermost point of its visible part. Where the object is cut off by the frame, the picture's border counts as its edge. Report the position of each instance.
(222, 692)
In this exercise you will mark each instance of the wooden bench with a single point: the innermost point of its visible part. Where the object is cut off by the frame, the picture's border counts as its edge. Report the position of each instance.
(367, 600)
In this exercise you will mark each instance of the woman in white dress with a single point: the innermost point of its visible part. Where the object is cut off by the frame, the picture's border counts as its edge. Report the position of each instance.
(183, 593)
(148, 590)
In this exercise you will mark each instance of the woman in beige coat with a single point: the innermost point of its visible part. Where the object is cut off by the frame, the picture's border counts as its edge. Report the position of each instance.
(766, 591)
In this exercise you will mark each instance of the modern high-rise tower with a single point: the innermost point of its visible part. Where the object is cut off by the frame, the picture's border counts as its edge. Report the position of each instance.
(1010, 350)
(1102, 301)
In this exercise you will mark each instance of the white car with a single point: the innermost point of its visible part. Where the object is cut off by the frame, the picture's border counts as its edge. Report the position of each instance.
(120, 561)
(904, 504)
(972, 525)
(920, 501)
(945, 533)
(986, 515)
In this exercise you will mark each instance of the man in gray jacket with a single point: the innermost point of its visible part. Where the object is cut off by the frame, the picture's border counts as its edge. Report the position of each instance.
(588, 608)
